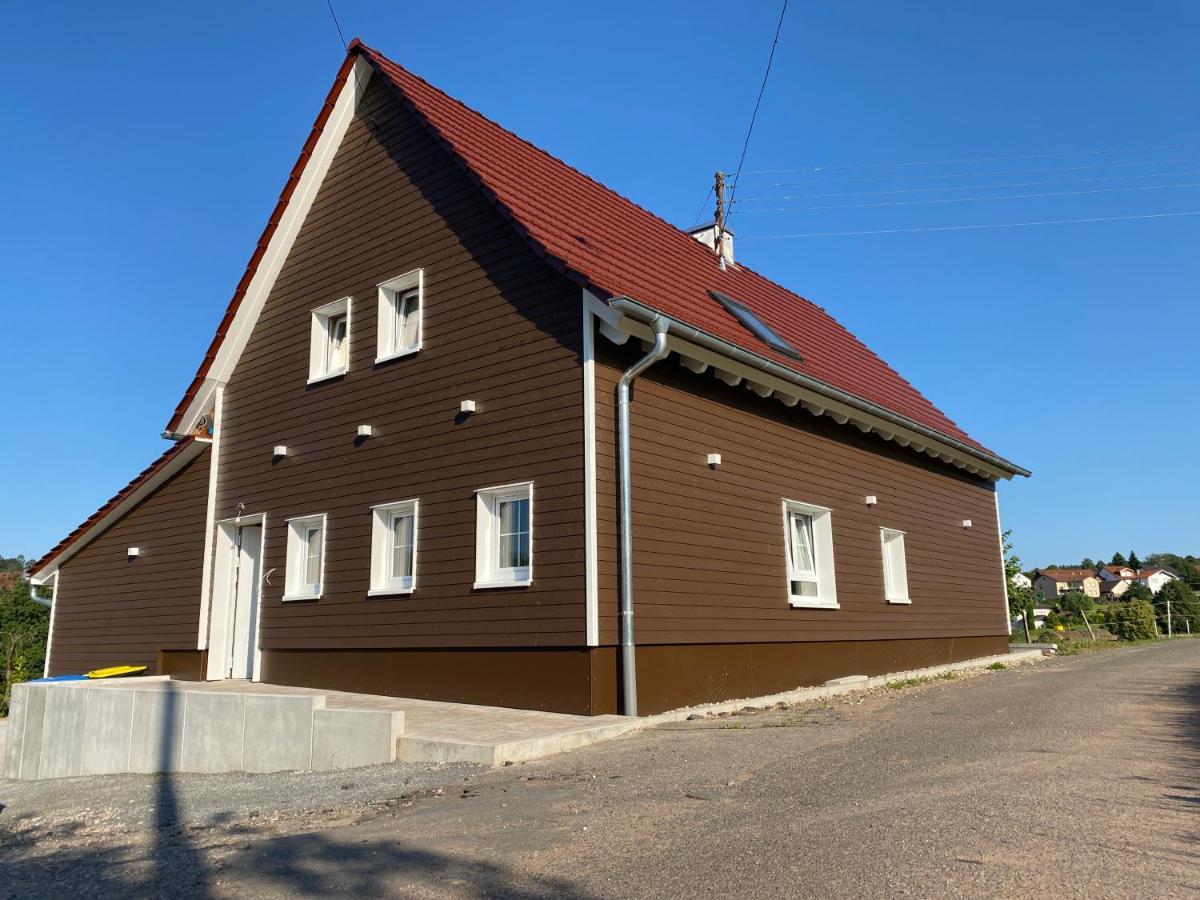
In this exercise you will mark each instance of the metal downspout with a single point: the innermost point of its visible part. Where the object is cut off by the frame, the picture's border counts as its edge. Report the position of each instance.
(628, 662)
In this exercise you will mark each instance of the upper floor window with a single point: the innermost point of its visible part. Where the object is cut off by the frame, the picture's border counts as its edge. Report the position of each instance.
(329, 355)
(394, 548)
(400, 302)
(305, 558)
(504, 536)
(895, 566)
(808, 535)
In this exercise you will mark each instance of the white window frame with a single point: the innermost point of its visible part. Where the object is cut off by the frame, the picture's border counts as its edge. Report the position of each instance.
(319, 344)
(390, 292)
(488, 574)
(895, 566)
(384, 584)
(295, 588)
(822, 535)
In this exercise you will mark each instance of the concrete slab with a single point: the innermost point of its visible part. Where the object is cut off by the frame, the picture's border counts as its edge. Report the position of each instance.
(278, 733)
(107, 725)
(65, 712)
(348, 738)
(29, 752)
(213, 730)
(156, 732)
(11, 730)
(846, 679)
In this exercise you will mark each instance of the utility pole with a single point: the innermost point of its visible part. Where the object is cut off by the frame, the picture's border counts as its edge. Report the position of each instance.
(1170, 630)
(719, 190)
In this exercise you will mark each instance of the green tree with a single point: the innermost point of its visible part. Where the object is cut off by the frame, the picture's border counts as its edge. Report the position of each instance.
(1134, 562)
(1185, 607)
(1118, 560)
(24, 625)
(1138, 591)
(1133, 621)
(1088, 564)
(1020, 599)
(1076, 602)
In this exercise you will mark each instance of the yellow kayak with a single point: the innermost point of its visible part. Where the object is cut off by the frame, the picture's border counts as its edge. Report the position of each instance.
(116, 671)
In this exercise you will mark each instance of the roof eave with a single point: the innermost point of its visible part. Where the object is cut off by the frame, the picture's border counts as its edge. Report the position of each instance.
(875, 418)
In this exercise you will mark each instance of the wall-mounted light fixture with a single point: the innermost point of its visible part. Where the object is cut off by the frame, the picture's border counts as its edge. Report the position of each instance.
(279, 451)
(365, 431)
(870, 499)
(966, 523)
(714, 460)
(467, 406)
(133, 551)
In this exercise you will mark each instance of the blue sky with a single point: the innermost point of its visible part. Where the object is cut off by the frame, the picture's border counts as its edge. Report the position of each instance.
(147, 143)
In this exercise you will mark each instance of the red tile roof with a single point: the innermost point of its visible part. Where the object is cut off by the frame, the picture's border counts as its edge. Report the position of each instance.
(1067, 574)
(615, 247)
(140, 479)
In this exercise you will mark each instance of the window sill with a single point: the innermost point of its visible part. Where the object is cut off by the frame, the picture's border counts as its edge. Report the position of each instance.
(903, 601)
(812, 603)
(399, 354)
(389, 592)
(289, 598)
(489, 585)
(329, 376)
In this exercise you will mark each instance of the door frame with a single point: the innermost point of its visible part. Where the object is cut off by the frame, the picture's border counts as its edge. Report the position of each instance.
(223, 599)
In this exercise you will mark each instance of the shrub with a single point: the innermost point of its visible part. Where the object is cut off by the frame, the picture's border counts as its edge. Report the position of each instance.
(1185, 607)
(1076, 602)
(1133, 621)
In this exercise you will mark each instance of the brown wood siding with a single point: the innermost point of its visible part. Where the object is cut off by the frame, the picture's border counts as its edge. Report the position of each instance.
(500, 327)
(709, 544)
(112, 610)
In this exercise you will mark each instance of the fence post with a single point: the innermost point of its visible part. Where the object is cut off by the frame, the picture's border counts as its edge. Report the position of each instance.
(1091, 633)
(1025, 622)
(1170, 630)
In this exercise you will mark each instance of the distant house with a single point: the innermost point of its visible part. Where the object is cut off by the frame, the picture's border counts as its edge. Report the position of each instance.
(1051, 583)
(1153, 577)
(1020, 580)
(1111, 590)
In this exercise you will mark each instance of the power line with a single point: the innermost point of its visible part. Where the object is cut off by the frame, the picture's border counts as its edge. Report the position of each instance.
(1124, 165)
(970, 187)
(952, 162)
(944, 200)
(780, 237)
(337, 24)
(754, 115)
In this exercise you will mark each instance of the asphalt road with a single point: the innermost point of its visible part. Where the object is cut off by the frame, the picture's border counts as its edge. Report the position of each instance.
(1074, 777)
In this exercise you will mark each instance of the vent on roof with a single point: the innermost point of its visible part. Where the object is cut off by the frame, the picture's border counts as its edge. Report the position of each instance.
(755, 325)
(707, 235)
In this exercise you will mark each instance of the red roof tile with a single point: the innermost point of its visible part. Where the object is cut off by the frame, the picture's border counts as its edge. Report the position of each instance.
(140, 479)
(617, 248)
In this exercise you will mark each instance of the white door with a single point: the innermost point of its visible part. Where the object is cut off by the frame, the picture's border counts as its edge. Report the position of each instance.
(243, 624)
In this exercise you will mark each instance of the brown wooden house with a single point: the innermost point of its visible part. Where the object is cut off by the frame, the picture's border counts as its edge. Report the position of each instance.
(399, 467)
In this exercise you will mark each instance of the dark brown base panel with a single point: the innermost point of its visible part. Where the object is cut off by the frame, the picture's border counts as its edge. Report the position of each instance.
(585, 681)
(183, 665)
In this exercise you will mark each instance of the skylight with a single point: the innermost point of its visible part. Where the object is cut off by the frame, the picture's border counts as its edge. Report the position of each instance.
(755, 325)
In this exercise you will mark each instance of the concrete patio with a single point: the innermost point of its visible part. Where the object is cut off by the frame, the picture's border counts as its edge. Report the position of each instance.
(154, 724)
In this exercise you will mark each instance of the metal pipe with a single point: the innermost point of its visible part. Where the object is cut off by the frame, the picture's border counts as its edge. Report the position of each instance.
(645, 314)
(660, 325)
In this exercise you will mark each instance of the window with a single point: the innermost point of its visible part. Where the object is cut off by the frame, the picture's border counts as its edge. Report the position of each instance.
(895, 568)
(400, 316)
(756, 326)
(504, 536)
(808, 536)
(330, 352)
(393, 548)
(305, 558)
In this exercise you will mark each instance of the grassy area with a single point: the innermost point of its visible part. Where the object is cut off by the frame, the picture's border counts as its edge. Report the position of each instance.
(902, 683)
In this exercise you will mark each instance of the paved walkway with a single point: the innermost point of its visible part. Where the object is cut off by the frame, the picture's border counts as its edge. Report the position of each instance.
(435, 731)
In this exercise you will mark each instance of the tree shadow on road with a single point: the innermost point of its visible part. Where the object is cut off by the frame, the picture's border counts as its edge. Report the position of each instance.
(307, 864)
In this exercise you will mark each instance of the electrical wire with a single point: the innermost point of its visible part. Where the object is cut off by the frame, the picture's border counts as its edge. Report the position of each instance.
(980, 159)
(754, 115)
(780, 237)
(944, 200)
(336, 24)
(970, 187)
